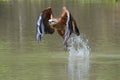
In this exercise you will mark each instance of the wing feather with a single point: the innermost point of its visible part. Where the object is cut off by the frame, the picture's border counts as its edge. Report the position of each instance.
(42, 24)
(68, 29)
(70, 26)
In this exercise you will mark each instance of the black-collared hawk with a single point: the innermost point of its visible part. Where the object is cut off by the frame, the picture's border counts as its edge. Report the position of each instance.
(47, 24)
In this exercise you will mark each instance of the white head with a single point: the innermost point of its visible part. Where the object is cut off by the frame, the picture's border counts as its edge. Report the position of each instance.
(52, 21)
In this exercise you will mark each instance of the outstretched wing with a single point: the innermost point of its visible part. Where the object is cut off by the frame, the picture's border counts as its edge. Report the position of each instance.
(42, 26)
(71, 26)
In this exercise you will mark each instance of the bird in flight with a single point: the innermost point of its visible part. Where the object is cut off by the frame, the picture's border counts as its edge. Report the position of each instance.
(48, 24)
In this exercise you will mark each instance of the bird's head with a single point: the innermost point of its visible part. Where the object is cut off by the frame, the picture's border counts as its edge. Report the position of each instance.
(52, 21)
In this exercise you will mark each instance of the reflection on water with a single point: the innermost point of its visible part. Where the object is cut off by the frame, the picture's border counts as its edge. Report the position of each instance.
(78, 68)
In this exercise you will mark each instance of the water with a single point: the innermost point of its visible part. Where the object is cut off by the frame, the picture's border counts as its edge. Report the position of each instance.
(22, 58)
(78, 68)
(79, 54)
(78, 46)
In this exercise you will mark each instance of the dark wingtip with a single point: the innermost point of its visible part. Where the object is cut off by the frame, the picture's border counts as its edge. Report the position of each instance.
(78, 33)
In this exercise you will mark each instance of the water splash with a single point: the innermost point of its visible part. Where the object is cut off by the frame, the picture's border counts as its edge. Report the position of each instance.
(78, 46)
(79, 51)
